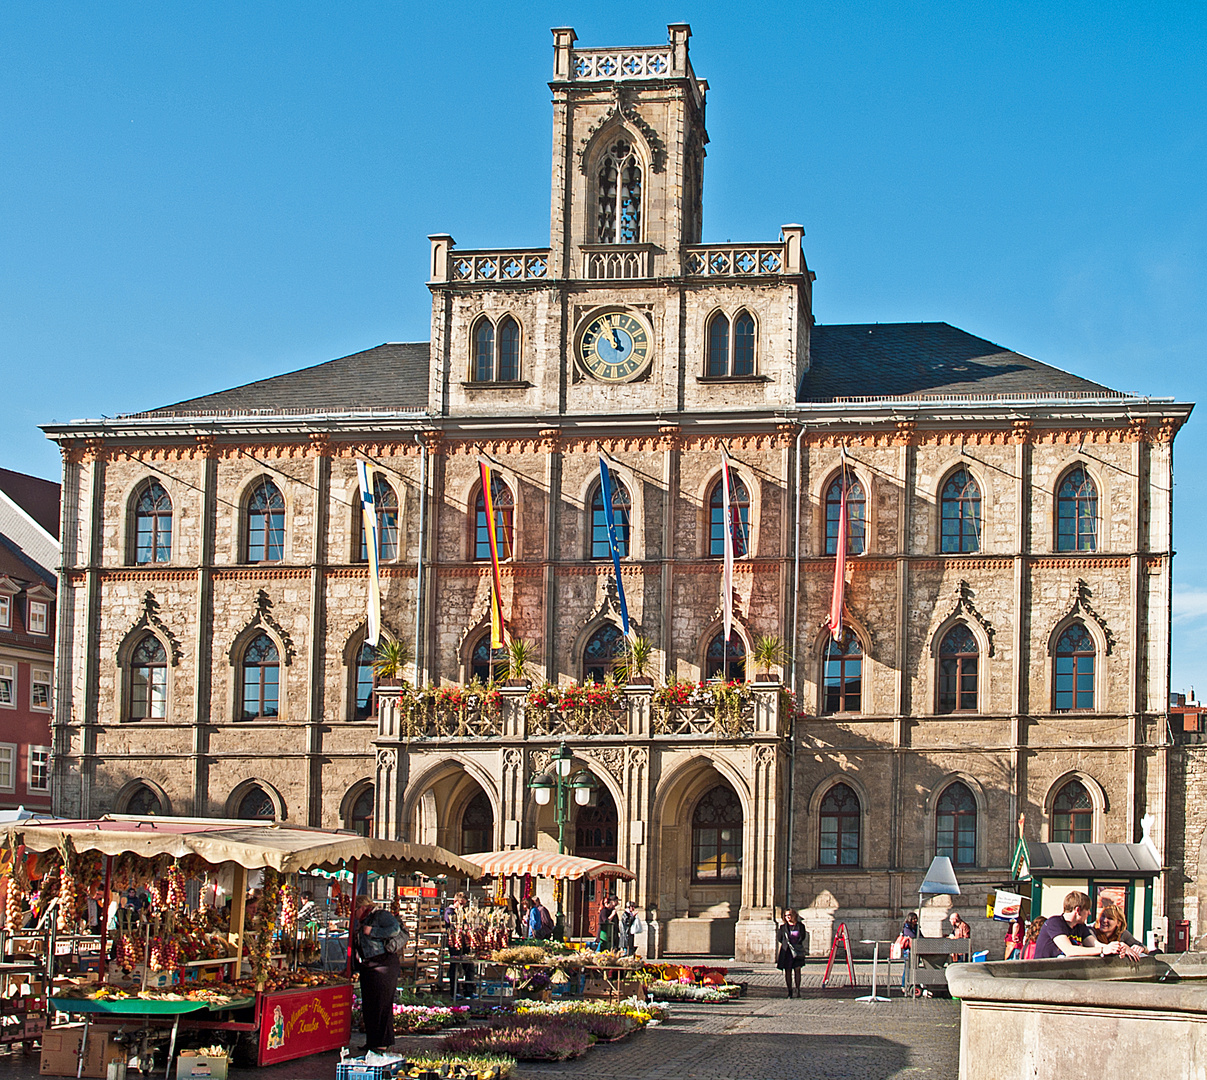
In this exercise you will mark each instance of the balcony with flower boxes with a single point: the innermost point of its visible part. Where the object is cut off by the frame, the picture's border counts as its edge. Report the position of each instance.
(679, 710)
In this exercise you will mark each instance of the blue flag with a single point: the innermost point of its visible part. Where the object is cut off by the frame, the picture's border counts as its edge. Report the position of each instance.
(605, 481)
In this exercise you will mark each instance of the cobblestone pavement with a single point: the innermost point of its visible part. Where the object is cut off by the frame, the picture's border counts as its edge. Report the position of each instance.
(762, 1036)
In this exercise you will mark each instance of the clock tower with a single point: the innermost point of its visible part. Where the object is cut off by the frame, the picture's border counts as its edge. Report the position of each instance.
(626, 312)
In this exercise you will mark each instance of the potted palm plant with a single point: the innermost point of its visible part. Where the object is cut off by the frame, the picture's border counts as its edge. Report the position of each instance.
(768, 652)
(390, 660)
(632, 666)
(521, 655)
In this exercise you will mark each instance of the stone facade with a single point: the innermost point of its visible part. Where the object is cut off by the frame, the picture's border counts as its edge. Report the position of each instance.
(663, 428)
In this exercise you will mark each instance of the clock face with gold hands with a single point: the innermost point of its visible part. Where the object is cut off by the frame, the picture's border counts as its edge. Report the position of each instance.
(615, 346)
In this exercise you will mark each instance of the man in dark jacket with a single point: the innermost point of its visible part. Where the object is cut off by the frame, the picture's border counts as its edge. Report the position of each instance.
(377, 944)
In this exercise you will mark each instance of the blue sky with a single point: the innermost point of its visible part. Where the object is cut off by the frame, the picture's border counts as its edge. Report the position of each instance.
(194, 195)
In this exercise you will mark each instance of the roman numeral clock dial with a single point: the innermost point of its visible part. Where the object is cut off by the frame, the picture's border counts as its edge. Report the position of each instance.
(615, 346)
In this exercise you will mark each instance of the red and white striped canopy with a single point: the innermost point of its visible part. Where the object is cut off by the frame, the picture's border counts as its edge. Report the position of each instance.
(548, 864)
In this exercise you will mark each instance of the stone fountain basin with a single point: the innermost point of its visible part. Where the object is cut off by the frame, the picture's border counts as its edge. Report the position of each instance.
(1085, 1019)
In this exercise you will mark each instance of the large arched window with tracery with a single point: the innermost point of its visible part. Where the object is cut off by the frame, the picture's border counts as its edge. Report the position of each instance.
(504, 522)
(603, 649)
(487, 664)
(955, 825)
(960, 504)
(255, 805)
(143, 802)
(838, 832)
(1073, 815)
(264, 538)
(362, 704)
(1076, 512)
(152, 525)
(148, 680)
(727, 662)
(619, 179)
(739, 517)
(385, 505)
(842, 674)
(856, 515)
(958, 659)
(261, 680)
(1074, 682)
(717, 837)
(621, 507)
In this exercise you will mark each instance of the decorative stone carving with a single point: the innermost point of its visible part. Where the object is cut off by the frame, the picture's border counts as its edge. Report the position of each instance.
(627, 113)
(538, 761)
(1080, 596)
(387, 759)
(765, 756)
(611, 758)
(639, 757)
(963, 603)
(149, 620)
(265, 617)
(512, 758)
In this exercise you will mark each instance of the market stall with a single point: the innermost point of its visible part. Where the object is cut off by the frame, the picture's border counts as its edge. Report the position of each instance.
(282, 1012)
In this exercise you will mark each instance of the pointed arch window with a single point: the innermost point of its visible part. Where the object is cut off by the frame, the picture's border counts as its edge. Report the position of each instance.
(362, 704)
(1073, 815)
(839, 827)
(717, 837)
(504, 523)
(955, 825)
(621, 507)
(496, 350)
(1077, 512)
(730, 346)
(477, 825)
(958, 659)
(718, 346)
(360, 815)
(487, 664)
(619, 179)
(261, 680)
(264, 538)
(856, 515)
(255, 805)
(143, 802)
(1075, 652)
(148, 680)
(739, 517)
(152, 525)
(726, 662)
(842, 674)
(961, 513)
(385, 504)
(601, 652)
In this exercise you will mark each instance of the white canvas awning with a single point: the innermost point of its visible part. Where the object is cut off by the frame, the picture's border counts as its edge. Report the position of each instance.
(548, 864)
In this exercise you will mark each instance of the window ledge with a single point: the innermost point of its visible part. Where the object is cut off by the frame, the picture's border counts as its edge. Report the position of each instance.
(708, 380)
(509, 384)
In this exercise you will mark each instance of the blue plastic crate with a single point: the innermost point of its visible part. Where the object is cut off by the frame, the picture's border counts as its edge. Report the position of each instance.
(358, 1070)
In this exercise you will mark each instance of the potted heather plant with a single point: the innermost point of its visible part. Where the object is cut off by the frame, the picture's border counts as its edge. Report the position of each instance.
(768, 652)
(632, 667)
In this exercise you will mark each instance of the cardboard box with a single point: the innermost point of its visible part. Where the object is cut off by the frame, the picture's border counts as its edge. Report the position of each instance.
(61, 1047)
(198, 1065)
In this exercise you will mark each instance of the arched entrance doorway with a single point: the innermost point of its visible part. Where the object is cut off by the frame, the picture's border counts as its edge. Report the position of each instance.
(595, 837)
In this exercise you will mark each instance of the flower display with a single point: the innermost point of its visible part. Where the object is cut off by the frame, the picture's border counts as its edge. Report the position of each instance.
(523, 1038)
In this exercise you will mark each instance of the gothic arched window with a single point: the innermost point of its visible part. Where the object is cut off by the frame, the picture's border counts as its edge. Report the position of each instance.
(143, 802)
(362, 705)
(484, 351)
(261, 680)
(1073, 815)
(743, 344)
(856, 516)
(839, 828)
(152, 525)
(958, 656)
(477, 825)
(487, 664)
(842, 674)
(601, 652)
(621, 504)
(148, 680)
(730, 346)
(726, 662)
(961, 513)
(264, 538)
(955, 825)
(255, 805)
(504, 523)
(508, 367)
(1074, 669)
(717, 837)
(385, 503)
(739, 517)
(718, 346)
(496, 351)
(619, 178)
(360, 816)
(1076, 512)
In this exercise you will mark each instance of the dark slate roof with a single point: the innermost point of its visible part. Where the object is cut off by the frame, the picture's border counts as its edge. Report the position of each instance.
(392, 377)
(37, 497)
(923, 359)
(1126, 860)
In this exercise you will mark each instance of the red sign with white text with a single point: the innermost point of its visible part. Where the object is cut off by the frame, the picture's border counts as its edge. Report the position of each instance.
(298, 1023)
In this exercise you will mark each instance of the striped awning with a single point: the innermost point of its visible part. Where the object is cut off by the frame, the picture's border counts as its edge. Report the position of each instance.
(547, 864)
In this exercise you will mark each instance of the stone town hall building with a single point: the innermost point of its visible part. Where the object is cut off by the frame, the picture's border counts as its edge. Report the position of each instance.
(1007, 614)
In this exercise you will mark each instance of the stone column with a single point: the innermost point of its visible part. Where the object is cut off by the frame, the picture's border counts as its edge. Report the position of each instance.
(754, 935)
(388, 780)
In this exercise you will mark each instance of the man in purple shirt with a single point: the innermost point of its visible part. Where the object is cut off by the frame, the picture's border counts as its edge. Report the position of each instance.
(1067, 934)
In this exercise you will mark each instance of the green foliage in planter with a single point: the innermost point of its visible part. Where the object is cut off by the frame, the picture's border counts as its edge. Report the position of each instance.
(521, 657)
(391, 658)
(634, 662)
(769, 651)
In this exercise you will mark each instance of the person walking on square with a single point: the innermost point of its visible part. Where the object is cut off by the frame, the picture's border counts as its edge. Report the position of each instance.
(790, 952)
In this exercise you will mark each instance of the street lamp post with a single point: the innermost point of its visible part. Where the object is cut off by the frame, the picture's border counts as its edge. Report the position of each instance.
(557, 781)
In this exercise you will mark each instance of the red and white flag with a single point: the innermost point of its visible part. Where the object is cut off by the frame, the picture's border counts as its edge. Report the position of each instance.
(840, 559)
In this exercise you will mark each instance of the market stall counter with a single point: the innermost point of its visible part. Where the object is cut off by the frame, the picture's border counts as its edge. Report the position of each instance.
(285, 1016)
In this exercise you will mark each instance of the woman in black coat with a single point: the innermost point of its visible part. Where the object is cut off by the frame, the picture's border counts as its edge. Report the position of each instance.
(790, 951)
